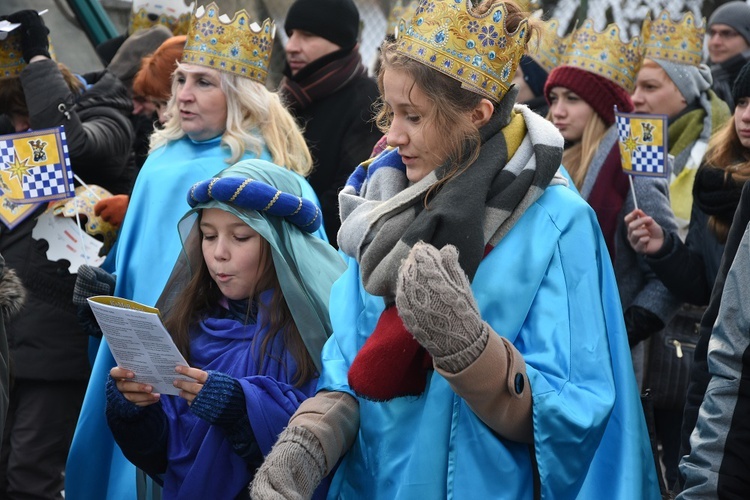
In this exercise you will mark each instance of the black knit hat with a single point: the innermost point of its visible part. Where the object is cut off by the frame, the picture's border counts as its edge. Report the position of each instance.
(335, 20)
(741, 87)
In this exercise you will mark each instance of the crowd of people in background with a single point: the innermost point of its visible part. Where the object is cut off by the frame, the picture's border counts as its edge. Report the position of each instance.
(427, 279)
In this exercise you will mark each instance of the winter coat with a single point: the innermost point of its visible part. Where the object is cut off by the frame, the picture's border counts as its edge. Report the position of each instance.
(717, 464)
(12, 295)
(45, 340)
(340, 134)
(699, 374)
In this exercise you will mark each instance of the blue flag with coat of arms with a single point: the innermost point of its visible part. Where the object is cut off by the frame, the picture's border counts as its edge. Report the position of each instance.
(643, 143)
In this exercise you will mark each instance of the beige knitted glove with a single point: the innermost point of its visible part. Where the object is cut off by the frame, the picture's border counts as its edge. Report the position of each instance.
(293, 469)
(437, 306)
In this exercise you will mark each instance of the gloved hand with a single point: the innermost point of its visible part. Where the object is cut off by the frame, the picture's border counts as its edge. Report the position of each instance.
(34, 41)
(112, 209)
(293, 468)
(91, 281)
(437, 306)
(640, 324)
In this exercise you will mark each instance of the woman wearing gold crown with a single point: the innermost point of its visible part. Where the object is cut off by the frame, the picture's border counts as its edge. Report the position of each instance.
(220, 112)
(478, 347)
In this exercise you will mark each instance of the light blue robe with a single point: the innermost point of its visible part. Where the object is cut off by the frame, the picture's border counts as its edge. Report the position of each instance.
(549, 288)
(147, 249)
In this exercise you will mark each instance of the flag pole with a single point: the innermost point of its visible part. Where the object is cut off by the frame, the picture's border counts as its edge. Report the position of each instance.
(632, 191)
(80, 181)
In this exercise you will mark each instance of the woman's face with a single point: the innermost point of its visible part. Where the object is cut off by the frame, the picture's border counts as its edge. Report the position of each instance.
(232, 252)
(421, 147)
(525, 93)
(742, 120)
(201, 104)
(569, 113)
(655, 93)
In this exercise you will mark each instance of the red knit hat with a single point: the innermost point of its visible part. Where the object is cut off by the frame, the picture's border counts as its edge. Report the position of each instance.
(598, 92)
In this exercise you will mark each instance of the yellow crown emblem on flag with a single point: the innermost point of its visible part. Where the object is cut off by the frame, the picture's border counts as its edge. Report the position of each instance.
(675, 41)
(604, 54)
(546, 47)
(474, 49)
(236, 46)
(174, 14)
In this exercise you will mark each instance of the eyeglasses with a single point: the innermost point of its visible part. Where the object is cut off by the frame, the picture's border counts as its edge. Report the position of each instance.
(724, 34)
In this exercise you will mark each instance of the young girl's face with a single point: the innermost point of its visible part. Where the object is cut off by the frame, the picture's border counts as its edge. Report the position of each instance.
(569, 113)
(232, 252)
(418, 143)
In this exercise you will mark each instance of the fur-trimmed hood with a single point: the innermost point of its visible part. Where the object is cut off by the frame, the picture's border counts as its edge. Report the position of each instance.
(12, 293)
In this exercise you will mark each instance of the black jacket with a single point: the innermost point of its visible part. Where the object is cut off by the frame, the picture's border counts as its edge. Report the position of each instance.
(340, 133)
(45, 339)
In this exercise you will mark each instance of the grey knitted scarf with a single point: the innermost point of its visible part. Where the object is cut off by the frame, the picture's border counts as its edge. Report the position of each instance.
(383, 215)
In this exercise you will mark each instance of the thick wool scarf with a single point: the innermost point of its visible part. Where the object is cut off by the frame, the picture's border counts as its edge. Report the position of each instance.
(716, 193)
(383, 216)
(322, 78)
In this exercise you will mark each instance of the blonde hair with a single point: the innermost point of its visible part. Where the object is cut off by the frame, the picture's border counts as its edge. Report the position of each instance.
(250, 107)
(577, 158)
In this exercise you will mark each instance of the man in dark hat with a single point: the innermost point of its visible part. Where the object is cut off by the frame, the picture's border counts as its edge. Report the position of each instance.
(728, 46)
(328, 90)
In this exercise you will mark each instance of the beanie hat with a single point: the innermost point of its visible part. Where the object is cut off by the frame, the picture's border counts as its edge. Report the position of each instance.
(598, 92)
(741, 86)
(335, 20)
(691, 81)
(734, 14)
(534, 75)
(127, 60)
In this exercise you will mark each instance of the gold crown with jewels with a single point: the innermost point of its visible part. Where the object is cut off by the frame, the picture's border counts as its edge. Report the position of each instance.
(474, 49)
(402, 9)
(546, 47)
(604, 53)
(675, 41)
(11, 55)
(235, 45)
(174, 14)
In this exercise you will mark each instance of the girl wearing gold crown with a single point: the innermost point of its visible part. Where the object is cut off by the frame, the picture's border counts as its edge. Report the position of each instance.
(220, 112)
(582, 101)
(478, 347)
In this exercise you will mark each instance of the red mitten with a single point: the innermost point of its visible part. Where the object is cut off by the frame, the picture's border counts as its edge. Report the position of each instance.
(391, 364)
(112, 209)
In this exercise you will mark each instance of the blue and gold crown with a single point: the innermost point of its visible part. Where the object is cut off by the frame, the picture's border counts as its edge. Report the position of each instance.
(402, 9)
(474, 49)
(675, 41)
(11, 54)
(546, 47)
(236, 46)
(174, 14)
(604, 54)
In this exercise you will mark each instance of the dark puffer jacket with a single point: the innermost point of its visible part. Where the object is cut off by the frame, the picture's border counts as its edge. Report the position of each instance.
(45, 340)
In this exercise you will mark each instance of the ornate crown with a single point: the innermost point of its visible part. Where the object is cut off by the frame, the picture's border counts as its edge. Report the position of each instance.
(233, 46)
(474, 49)
(678, 42)
(402, 9)
(11, 56)
(173, 14)
(547, 47)
(604, 54)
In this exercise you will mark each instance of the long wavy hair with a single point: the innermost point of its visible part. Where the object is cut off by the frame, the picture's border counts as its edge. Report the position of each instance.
(201, 296)
(577, 157)
(451, 105)
(250, 108)
(726, 152)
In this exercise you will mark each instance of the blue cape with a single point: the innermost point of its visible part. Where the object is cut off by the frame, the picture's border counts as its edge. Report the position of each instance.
(549, 288)
(198, 450)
